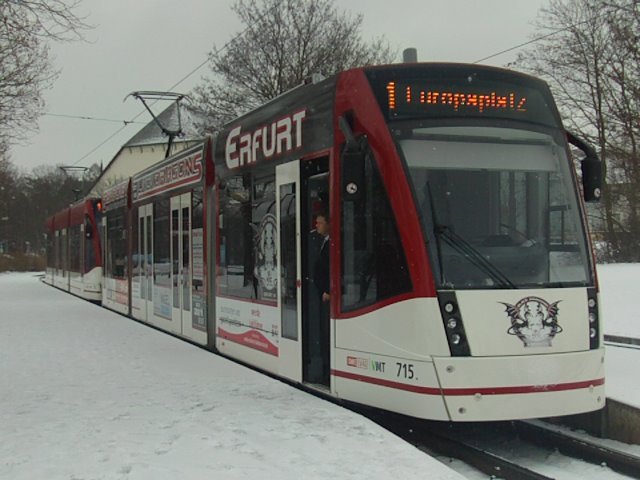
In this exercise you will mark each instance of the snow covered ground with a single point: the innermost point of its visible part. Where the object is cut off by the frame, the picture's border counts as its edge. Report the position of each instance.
(620, 310)
(88, 394)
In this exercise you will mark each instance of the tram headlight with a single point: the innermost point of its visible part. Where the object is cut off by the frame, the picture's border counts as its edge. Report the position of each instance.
(592, 332)
(592, 303)
(592, 317)
(453, 323)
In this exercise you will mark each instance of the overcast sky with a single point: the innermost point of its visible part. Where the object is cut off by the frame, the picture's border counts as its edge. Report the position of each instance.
(154, 44)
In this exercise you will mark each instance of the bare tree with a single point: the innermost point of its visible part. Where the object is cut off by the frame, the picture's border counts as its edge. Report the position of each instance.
(25, 67)
(589, 56)
(284, 42)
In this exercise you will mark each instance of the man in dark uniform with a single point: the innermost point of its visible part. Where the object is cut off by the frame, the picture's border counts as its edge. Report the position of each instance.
(321, 281)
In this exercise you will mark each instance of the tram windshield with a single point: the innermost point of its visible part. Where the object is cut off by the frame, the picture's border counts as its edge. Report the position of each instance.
(498, 206)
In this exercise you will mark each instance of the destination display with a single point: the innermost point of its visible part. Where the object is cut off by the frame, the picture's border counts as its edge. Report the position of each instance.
(411, 98)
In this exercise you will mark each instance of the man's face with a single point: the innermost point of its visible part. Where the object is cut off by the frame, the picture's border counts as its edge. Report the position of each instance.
(322, 226)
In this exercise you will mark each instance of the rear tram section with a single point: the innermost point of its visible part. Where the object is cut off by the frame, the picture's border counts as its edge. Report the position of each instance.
(462, 287)
(74, 258)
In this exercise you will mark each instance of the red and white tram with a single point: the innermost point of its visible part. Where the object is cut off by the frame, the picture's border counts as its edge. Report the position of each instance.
(74, 258)
(462, 286)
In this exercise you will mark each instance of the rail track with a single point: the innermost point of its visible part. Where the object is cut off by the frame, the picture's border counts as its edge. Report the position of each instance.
(621, 341)
(475, 444)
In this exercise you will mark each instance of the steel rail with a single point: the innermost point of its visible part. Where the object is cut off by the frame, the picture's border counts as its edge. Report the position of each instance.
(621, 341)
(581, 448)
(430, 441)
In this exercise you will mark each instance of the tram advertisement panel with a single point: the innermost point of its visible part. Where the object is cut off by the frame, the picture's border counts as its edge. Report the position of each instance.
(259, 333)
(198, 295)
(181, 170)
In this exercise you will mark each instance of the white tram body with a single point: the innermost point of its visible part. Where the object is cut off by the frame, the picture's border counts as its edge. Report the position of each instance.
(462, 287)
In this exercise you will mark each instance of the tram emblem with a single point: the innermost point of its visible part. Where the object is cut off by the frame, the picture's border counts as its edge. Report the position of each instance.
(266, 269)
(534, 321)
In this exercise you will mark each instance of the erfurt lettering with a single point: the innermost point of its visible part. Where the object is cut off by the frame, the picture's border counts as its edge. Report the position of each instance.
(264, 143)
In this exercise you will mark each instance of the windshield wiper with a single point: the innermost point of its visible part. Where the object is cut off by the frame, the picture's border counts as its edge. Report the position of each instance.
(474, 256)
(445, 233)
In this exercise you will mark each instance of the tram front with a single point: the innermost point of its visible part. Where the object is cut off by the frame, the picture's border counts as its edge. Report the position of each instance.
(487, 161)
(507, 243)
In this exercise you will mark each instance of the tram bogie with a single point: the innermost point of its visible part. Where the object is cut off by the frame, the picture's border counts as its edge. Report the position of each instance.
(459, 281)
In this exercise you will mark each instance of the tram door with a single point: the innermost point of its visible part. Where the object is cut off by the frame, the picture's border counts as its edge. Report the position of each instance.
(181, 263)
(314, 177)
(289, 266)
(145, 263)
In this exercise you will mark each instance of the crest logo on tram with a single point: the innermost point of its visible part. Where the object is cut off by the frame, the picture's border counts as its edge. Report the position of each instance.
(534, 321)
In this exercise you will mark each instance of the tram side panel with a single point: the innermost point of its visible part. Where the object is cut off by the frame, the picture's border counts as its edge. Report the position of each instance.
(92, 251)
(115, 281)
(168, 276)
(257, 296)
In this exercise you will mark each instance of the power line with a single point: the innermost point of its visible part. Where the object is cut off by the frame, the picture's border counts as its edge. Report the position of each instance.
(85, 117)
(192, 72)
(239, 35)
(537, 39)
(101, 144)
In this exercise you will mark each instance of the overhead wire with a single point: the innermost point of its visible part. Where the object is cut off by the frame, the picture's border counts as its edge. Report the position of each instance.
(239, 35)
(85, 117)
(542, 37)
(188, 75)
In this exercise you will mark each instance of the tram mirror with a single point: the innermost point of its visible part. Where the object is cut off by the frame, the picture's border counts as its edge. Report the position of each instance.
(352, 174)
(591, 179)
(591, 169)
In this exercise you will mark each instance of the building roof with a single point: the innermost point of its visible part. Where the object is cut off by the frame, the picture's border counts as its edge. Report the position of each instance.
(152, 135)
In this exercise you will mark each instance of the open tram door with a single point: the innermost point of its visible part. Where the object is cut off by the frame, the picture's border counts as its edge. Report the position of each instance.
(289, 266)
(315, 321)
(300, 192)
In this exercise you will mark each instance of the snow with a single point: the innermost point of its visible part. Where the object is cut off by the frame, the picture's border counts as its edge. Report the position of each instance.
(620, 310)
(88, 394)
(619, 298)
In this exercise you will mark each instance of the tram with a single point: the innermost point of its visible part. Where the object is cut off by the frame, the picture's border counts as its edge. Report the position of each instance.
(74, 258)
(462, 283)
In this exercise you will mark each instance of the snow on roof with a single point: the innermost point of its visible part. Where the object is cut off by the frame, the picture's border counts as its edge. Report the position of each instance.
(151, 134)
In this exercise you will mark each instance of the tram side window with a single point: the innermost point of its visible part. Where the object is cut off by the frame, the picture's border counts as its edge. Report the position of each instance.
(136, 260)
(161, 243)
(236, 238)
(50, 243)
(264, 248)
(63, 251)
(247, 238)
(197, 239)
(58, 259)
(89, 250)
(374, 266)
(74, 248)
(116, 244)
